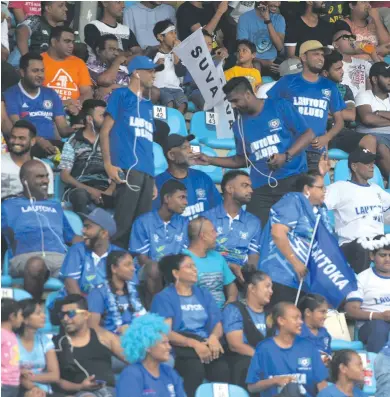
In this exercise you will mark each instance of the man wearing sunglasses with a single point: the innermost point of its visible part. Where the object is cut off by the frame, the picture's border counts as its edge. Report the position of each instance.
(87, 349)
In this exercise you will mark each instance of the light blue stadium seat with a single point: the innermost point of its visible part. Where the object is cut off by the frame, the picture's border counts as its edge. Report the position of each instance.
(387, 59)
(215, 173)
(17, 294)
(191, 107)
(338, 344)
(47, 161)
(207, 134)
(74, 221)
(266, 79)
(160, 162)
(59, 187)
(337, 154)
(176, 122)
(230, 154)
(49, 328)
(327, 181)
(206, 390)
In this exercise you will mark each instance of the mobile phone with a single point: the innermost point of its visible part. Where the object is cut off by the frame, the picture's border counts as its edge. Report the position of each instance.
(100, 382)
(122, 175)
(195, 149)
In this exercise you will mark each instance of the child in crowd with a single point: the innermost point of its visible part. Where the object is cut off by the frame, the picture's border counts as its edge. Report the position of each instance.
(246, 53)
(314, 308)
(11, 320)
(171, 94)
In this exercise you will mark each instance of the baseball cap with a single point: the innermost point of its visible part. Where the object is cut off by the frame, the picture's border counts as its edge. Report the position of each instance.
(103, 219)
(144, 63)
(176, 140)
(380, 69)
(290, 66)
(312, 45)
(361, 155)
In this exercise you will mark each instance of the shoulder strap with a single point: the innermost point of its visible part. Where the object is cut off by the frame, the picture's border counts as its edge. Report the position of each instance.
(253, 335)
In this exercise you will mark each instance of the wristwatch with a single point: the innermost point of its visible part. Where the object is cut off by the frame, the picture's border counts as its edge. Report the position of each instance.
(288, 157)
(268, 22)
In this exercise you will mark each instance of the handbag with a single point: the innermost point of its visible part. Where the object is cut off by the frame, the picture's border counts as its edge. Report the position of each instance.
(336, 324)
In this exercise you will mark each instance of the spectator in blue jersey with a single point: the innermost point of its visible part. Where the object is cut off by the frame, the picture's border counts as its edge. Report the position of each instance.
(314, 309)
(347, 374)
(84, 266)
(286, 238)
(244, 323)
(127, 146)
(270, 136)
(30, 100)
(81, 165)
(286, 358)
(195, 323)
(214, 273)
(314, 97)
(382, 371)
(238, 231)
(115, 303)
(160, 232)
(36, 230)
(202, 193)
(146, 347)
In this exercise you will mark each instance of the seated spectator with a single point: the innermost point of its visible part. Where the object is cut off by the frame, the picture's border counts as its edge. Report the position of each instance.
(11, 321)
(82, 167)
(112, 11)
(244, 323)
(314, 309)
(146, 347)
(91, 349)
(171, 94)
(370, 304)
(21, 141)
(358, 207)
(306, 92)
(373, 109)
(65, 73)
(238, 231)
(30, 100)
(84, 266)
(382, 374)
(265, 27)
(24, 9)
(115, 303)
(286, 358)
(347, 374)
(286, 239)
(246, 53)
(160, 232)
(366, 25)
(107, 69)
(192, 15)
(202, 193)
(213, 271)
(195, 322)
(333, 11)
(38, 361)
(36, 230)
(307, 26)
(144, 14)
(33, 34)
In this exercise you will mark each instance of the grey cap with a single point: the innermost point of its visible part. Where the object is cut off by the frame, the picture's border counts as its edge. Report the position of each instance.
(290, 66)
(103, 219)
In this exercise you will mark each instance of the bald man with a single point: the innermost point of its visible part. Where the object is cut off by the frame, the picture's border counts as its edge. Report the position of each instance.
(36, 230)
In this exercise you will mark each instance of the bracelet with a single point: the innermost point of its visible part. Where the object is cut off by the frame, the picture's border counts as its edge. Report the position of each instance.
(267, 22)
(370, 317)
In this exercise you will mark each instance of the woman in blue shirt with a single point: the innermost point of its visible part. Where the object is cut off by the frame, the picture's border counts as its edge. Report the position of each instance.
(38, 360)
(146, 347)
(117, 300)
(288, 233)
(244, 323)
(314, 308)
(195, 322)
(286, 358)
(347, 372)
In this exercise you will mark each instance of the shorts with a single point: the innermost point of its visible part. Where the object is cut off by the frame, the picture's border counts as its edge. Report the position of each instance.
(346, 140)
(382, 139)
(313, 159)
(53, 261)
(176, 96)
(9, 391)
(106, 391)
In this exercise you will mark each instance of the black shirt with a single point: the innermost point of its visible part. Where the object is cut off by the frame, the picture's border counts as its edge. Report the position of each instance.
(297, 32)
(188, 15)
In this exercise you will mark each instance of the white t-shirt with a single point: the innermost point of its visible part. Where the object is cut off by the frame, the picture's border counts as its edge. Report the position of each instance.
(355, 75)
(368, 98)
(4, 34)
(359, 210)
(240, 7)
(10, 181)
(167, 78)
(373, 291)
(263, 89)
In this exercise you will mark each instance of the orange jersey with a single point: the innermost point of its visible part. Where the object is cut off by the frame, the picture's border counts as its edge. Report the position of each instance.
(66, 76)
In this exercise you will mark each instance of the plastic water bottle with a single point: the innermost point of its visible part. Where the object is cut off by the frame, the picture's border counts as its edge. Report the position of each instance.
(77, 37)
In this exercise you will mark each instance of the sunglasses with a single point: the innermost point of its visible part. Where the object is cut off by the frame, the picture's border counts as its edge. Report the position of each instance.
(71, 313)
(350, 37)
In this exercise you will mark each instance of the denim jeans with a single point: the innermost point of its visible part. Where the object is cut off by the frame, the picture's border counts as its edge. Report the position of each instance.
(382, 375)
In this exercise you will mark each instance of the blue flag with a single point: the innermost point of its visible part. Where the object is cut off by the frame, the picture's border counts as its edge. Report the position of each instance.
(330, 275)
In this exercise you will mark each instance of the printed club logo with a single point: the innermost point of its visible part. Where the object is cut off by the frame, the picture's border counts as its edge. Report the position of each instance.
(326, 92)
(304, 362)
(47, 104)
(273, 124)
(200, 193)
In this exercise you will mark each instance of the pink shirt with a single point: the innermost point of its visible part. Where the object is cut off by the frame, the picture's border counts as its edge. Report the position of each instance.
(29, 7)
(10, 372)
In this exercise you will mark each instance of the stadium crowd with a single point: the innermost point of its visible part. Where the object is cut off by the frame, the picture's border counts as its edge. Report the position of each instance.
(176, 278)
